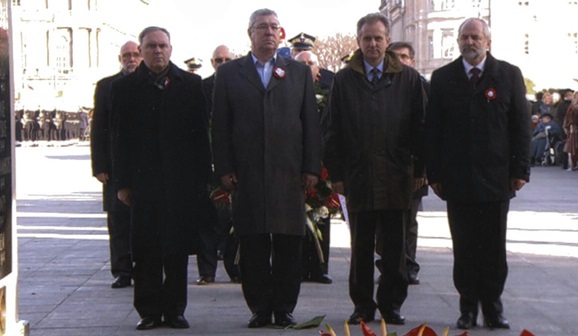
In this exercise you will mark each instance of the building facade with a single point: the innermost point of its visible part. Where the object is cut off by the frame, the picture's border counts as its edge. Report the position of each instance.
(539, 36)
(62, 47)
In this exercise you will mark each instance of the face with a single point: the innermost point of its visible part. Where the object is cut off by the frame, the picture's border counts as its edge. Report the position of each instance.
(156, 51)
(265, 35)
(472, 42)
(221, 55)
(547, 98)
(305, 58)
(373, 41)
(129, 57)
(404, 56)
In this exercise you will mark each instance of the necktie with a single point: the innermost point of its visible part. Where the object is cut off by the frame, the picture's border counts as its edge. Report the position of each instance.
(475, 72)
(375, 78)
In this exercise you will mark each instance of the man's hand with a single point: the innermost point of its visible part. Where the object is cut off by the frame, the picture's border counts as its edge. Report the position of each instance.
(102, 178)
(338, 187)
(229, 181)
(125, 196)
(517, 184)
(308, 180)
(419, 182)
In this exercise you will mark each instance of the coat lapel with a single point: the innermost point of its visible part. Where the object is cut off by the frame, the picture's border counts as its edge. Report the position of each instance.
(249, 71)
(282, 64)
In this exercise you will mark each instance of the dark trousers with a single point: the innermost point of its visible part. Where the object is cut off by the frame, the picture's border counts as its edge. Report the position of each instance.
(118, 222)
(271, 270)
(411, 232)
(207, 257)
(313, 268)
(160, 284)
(479, 243)
(392, 288)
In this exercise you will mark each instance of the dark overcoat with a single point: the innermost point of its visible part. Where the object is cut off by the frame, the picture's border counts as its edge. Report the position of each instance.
(374, 134)
(161, 151)
(268, 137)
(478, 138)
(100, 139)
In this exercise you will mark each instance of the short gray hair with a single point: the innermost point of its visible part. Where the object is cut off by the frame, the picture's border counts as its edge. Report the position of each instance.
(486, 27)
(372, 18)
(149, 30)
(312, 56)
(260, 12)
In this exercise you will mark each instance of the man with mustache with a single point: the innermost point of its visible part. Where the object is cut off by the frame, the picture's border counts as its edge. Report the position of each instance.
(478, 133)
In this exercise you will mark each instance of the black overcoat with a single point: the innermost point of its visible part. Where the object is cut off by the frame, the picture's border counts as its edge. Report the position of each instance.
(268, 137)
(374, 134)
(161, 151)
(478, 138)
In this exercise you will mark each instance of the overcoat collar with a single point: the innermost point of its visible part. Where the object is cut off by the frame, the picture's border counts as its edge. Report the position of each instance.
(249, 71)
(490, 76)
(143, 73)
(393, 65)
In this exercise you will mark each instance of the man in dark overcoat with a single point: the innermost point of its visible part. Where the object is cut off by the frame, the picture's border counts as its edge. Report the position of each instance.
(373, 146)
(161, 167)
(267, 145)
(118, 214)
(478, 136)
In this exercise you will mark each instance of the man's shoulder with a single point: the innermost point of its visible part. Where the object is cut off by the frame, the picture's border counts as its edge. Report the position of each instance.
(109, 79)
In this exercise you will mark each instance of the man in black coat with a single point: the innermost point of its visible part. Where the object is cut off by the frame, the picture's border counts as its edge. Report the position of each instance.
(478, 133)
(161, 167)
(118, 214)
(267, 146)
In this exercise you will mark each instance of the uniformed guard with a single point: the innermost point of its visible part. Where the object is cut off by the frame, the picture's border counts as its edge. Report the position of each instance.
(194, 64)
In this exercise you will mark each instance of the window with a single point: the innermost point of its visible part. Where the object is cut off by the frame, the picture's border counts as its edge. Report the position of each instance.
(527, 44)
(63, 50)
(573, 37)
(447, 4)
(430, 46)
(448, 44)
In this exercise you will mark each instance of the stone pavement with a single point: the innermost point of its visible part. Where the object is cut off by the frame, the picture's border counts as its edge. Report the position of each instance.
(64, 271)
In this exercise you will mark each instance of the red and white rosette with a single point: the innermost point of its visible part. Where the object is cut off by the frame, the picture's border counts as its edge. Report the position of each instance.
(279, 73)
(490, 94)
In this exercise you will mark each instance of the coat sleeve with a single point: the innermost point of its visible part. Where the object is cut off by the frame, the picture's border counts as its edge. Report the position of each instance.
(331, 122)
(121, 158)
(99, 132)
(433, 131)
(222, 127)
(519, 129)
(311, 128)
(417, 126)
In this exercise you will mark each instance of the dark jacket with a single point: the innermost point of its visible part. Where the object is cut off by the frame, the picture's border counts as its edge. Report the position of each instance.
(100, 139)
(374, 135)
(268, 137)
(161, 151)
(478, 138)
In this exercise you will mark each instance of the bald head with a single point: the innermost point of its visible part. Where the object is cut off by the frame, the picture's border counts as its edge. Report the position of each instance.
(310, 59)
(221, 55)
(129, 57)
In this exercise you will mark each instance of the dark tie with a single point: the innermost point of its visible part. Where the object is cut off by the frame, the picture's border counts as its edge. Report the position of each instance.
(375, 78)
(475, 72)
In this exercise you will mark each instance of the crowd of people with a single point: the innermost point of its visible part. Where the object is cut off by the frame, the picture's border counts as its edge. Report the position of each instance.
(247, 164)
(55, 125)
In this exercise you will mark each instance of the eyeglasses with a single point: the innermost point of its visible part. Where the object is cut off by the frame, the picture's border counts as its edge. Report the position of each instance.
(129, 54)
(220, 60)
(264, 26)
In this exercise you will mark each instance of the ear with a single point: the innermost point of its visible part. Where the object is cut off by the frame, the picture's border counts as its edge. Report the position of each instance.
(282, 34)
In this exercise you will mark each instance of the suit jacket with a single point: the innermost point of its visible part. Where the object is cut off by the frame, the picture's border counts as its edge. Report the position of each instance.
(161, 151)
(478, 138)
(100, 138)
(268, 137)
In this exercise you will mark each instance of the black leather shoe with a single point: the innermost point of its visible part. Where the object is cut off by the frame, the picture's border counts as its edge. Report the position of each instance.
(393, 317)
(284, 319)
(205, 281)
(324, 279)
(412, 279)
(177, 322)
(121, 281)
(259, 320)
(357, 317)
(496, 322)
(148, 322)
(467, 321)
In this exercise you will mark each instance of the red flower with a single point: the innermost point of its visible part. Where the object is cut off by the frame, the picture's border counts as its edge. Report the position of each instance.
(490, 94)
(279, 73)
(324, 174)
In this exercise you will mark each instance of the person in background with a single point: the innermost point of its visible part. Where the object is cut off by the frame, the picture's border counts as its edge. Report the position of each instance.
(315, 266)
(478, 139)
(374, 156)
(118, 214)
(305, 42)
(161, 168)
(193, 65)
(217, 239)
(267, 148)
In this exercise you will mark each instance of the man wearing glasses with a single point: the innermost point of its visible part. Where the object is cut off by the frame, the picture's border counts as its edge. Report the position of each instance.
(216, 238)
(267, 147)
